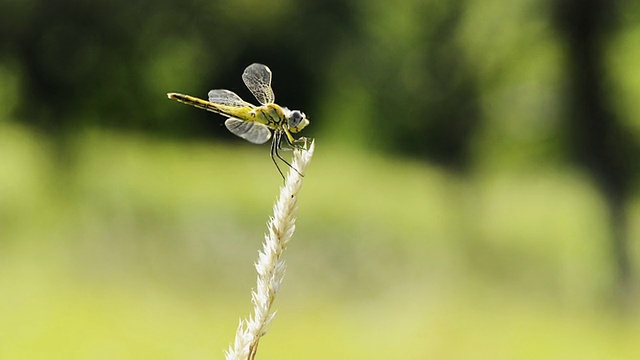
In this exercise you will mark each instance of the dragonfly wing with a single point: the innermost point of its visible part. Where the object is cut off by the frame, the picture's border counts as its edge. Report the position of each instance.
(257, 77)
(249, 130)
(226, 97)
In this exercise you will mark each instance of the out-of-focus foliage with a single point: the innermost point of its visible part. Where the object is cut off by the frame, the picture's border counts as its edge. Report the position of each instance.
(405, 75)
(452, 81)
(442, 216)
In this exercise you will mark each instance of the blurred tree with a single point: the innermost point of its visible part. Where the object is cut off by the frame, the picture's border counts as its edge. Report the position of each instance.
(83, 61)
(442, 113)
(597, 138)
(402, 84)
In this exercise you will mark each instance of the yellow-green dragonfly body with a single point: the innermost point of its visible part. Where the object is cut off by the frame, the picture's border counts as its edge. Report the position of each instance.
(250, 122)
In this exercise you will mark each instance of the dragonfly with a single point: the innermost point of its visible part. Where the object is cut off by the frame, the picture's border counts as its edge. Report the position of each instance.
(255, 123)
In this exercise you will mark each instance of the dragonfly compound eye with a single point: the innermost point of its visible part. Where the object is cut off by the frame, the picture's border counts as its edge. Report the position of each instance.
(296, 118)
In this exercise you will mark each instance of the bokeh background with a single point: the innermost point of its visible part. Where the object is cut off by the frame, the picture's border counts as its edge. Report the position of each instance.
(473, 195)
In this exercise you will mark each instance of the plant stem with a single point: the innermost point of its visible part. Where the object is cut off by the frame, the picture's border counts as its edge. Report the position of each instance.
(270, 264)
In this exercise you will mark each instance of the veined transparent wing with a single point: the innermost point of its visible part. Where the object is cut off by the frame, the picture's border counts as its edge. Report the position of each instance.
(226, 97)
(251, 131)
(257, 77)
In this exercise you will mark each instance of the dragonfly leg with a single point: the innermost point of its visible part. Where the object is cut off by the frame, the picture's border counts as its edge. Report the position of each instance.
(276, 146)
(302, 143)
(274, 150)
(290, 145)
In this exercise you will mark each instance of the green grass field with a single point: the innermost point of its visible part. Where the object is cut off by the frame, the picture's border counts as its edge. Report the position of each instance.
(132, 248)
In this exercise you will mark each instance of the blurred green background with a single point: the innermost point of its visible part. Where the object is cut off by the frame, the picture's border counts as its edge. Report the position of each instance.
(473, 195)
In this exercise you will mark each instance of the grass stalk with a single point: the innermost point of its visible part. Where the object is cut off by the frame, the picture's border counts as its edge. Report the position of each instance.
(270, 265)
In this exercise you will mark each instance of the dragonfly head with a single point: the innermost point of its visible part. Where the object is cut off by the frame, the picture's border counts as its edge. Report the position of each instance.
(297, 121)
